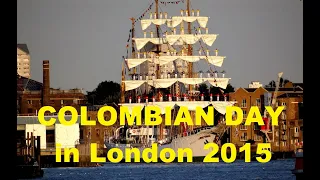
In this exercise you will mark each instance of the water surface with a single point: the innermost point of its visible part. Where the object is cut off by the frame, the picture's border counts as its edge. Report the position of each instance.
(277, 169)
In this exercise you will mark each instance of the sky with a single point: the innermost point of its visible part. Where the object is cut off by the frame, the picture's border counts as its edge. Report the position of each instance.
(85, 40)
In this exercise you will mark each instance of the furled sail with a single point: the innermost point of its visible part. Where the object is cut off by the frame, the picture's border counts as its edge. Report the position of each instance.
(162, 60)
(177, 39)
(175, 21)
(165, 83)
(220, 106)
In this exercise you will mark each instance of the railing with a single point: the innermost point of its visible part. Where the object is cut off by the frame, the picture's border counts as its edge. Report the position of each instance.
(56, 91)
(31, 92)
(70, 91)
(46, 114)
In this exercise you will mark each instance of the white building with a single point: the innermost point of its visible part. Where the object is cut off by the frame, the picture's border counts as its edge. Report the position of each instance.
(67, 136)
(255, 84)
(23, 60)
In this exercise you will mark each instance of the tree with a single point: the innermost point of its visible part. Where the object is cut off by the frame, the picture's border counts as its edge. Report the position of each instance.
(203, 88)
(216, 90)
(106, 92)
(282, 83)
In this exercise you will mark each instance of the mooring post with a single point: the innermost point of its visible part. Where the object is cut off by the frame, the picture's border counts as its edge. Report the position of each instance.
(32, 145)
(38, 152)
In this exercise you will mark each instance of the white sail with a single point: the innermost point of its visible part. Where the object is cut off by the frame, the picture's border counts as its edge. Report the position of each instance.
(177, 39)
(220, 106)
(165, 83)
(175, 21)
(168, 61)
(162, 60)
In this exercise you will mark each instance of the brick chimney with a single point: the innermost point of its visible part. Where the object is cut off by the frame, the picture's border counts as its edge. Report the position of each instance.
(46, 84)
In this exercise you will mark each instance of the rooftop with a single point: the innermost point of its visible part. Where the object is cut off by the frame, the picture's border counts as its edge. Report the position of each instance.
(24, 83)
(271, 89)
(286, 95)
(23, 47)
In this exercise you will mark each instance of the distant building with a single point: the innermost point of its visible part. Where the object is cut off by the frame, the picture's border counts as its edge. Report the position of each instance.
(23, 60)
(255, 84)
(98, 133)
(287, 135)
(32, 95)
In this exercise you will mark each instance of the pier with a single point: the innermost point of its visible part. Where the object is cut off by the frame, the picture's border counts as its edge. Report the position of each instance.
(28, 158)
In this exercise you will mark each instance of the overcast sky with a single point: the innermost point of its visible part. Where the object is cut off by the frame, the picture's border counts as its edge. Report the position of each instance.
(85, 39)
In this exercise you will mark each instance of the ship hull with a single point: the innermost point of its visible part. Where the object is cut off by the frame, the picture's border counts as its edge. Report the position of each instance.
(195, 142)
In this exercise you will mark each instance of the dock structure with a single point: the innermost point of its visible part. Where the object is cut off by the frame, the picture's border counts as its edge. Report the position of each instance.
(66, 136)
(74, 136)
(28, 158)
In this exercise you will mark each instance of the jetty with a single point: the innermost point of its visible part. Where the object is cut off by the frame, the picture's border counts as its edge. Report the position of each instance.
(28, 158)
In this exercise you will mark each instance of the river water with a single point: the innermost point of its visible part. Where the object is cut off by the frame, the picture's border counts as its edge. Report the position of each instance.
(277, 169)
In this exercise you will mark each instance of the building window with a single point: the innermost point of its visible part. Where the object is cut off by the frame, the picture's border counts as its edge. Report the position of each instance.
(277, 133)
(283, 104)
(98, 132)
(296, 129)
(258, 102)
(277, 143)
(29, 102)
(61, 102)
(243, 127)
(89, 134)
(244, 103)
(291, 141)
(50, 138)
(244, 114)
(284, 143)
(244, 137)
(256, 126)
(257, 137)
(81, 134)
(283, 115)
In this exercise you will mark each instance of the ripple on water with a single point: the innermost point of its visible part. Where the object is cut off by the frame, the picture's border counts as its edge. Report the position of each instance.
(278, 169)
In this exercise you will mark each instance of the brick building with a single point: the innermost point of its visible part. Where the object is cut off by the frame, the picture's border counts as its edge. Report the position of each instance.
(287, 133)
(32, 95)
(98, 133)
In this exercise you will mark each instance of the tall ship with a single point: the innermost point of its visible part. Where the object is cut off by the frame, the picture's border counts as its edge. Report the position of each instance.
(162, 65)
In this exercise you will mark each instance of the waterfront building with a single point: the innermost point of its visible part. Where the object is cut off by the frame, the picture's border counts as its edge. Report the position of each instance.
(32, 95)
(23, 60)
(288, 135)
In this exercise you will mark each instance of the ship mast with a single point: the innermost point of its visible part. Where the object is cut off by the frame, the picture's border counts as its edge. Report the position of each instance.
(158, 48)
(158, 66)
(190, 65)
(122, 99)
(133, 54)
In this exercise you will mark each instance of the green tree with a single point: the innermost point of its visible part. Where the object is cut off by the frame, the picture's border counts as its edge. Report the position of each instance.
(282, 83)
(106, 92)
